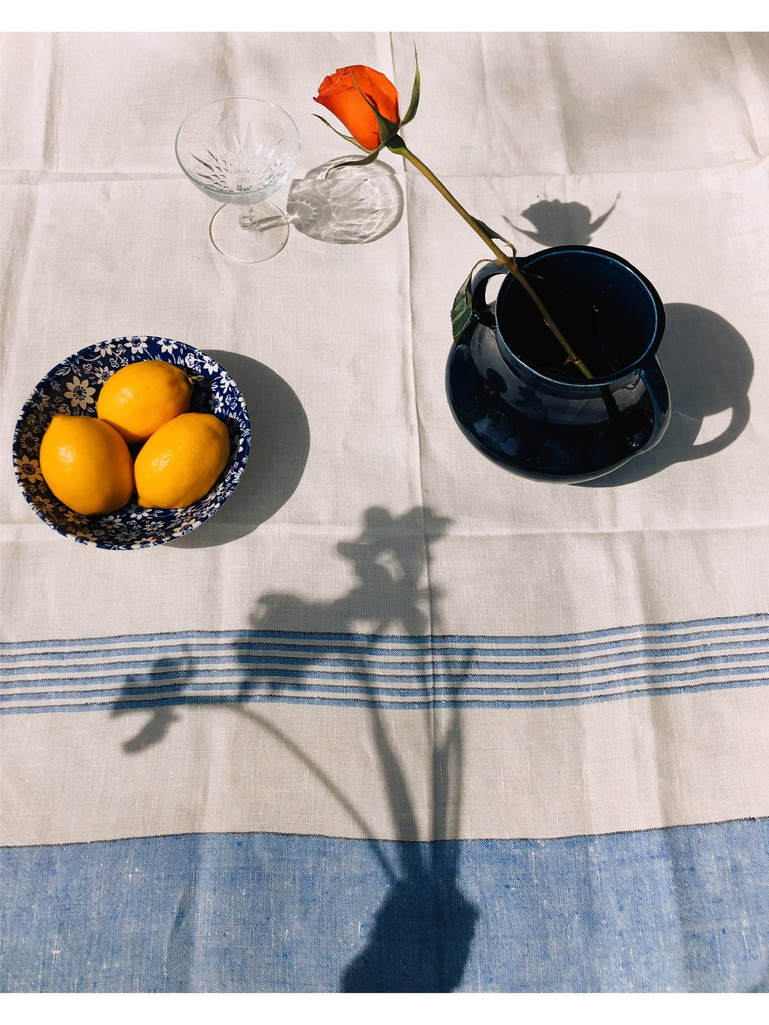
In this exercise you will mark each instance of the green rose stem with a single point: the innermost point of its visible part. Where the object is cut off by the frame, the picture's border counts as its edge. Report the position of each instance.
(396, 145)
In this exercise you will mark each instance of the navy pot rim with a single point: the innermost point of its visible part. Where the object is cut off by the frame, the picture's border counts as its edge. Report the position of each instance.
(584, 386)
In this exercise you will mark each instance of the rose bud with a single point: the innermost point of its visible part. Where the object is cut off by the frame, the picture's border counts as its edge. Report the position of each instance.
(338, 93)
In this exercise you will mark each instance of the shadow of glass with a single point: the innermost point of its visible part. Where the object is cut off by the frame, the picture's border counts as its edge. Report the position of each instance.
(345, 205)
(156, 691)
(708, 367)
(153, 731)
(389, 558)
(560, 224)
(419, 939)
(280, 444)
(424, 928)
(421, 935)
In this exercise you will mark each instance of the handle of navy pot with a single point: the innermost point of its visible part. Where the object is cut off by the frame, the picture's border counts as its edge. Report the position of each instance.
(481, 310)
(657, 390)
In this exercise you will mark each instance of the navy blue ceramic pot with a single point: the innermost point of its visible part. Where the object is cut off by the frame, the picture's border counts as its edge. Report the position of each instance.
(521, 404)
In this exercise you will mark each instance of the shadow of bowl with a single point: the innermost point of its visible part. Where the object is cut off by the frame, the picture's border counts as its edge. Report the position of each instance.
(345, 205)
(708, 367)
(280, 444)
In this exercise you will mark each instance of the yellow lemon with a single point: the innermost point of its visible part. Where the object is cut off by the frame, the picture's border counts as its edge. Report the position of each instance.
(181, 461)
(141, 397)
(86, 464)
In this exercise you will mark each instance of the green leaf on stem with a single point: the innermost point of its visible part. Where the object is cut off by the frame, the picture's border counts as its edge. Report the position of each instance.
(462, 309)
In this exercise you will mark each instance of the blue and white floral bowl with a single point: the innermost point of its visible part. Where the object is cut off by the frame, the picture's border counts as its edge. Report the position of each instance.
(73, 387)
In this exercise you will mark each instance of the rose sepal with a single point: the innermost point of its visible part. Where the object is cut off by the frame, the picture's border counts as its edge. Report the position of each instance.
(360, 161)
(415, 90)
(347, 138)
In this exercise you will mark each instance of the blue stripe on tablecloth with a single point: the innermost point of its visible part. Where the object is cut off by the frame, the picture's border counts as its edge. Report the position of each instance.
(675, 909)
(389, 671)
(723, 624)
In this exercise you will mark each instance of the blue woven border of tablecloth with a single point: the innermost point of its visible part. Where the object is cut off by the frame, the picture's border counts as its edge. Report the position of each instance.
(675, 909)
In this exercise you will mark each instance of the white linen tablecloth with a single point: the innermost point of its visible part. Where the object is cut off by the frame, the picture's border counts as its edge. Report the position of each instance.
(393, 718)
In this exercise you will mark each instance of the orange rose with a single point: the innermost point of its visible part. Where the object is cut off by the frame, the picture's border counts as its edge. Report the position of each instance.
(338, 94)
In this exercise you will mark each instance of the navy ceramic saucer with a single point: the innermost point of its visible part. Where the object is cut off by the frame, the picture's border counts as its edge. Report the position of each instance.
(531, 447)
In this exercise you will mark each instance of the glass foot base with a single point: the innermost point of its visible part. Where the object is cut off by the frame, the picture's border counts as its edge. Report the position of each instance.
(266, 237)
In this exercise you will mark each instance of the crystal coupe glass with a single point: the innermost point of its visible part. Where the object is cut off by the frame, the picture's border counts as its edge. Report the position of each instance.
(240, 150)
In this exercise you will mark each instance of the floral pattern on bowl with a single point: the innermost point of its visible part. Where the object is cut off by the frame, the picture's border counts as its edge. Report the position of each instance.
(73, 387)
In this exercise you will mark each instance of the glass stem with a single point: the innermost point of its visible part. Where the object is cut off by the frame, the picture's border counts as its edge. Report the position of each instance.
(397, 145)
(247, 218)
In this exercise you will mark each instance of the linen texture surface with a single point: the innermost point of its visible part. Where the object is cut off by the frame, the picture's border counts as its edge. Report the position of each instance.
(387, 667)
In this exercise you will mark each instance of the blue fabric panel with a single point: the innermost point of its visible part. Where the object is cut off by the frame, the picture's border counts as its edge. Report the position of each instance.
(678, 909)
